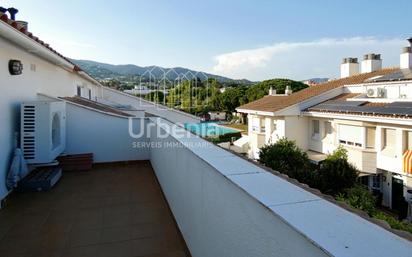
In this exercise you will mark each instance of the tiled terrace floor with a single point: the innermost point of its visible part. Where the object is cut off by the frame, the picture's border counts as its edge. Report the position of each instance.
(115, 210)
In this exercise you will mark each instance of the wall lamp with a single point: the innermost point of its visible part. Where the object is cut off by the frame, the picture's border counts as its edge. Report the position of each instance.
(15, 67)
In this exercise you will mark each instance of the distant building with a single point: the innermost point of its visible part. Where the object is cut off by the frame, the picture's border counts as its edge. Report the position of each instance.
(315, 81)
(217, 115)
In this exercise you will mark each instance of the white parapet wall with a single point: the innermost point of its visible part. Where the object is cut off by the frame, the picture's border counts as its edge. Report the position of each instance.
(172, 115)
(227, 206)
(105, 135)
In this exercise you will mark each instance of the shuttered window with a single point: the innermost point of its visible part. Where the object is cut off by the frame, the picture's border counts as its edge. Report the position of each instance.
(350, 135)
(315, 129)
(328, 128)
(408, 140)
(389, 141)
(258, 125)
(370, 137)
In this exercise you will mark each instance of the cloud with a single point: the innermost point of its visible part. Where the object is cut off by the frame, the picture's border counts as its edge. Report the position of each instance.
(302, 59)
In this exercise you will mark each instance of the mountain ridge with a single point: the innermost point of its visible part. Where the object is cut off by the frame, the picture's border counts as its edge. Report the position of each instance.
(102, 70)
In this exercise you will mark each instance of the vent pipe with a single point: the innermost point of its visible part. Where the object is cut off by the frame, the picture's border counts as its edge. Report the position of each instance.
(288, 90)
(272, 91)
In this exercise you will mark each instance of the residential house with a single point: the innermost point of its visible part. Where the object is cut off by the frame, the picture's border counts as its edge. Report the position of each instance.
(367, 111)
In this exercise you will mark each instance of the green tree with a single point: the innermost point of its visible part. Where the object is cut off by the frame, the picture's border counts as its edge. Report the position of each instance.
(285, 157)
(336, 173)
(261, 89)
(155, 96)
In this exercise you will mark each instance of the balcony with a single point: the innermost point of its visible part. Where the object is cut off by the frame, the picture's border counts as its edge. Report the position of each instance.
(223, 205)
(363, 159)
(114, 210)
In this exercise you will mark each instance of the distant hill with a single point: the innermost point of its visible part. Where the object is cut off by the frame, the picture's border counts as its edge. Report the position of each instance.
(110, 71)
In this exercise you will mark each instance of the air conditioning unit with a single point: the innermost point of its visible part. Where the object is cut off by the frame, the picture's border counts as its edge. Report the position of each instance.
(376, 92)
(42, 131)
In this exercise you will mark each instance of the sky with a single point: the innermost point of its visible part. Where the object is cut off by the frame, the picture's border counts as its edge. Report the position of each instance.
(256, 40)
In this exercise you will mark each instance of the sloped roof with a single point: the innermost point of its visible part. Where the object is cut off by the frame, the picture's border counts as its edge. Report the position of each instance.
(21, 29)
(277, 103)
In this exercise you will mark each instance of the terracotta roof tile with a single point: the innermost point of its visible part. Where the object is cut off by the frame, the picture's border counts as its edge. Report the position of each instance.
(4, 18)
(277, 103)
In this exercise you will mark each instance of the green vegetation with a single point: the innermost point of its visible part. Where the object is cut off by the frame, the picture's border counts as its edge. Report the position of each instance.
(261, 89)
(285, 157)
(335, 176)
(199, 97)
(225, 138)
(336, 173)
(394, 223)
(155, 96)
(360, 198)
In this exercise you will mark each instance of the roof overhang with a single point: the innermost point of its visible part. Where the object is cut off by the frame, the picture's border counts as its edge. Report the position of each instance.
(255, 112)
(378, 119)
(33, 47)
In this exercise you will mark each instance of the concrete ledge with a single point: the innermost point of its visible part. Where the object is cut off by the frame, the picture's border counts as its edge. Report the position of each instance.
(275, 208)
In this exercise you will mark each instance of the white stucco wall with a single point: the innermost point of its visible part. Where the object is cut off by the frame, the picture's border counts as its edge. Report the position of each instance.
(47, 78)
(226, 206)
(297, 129)
(106, 136)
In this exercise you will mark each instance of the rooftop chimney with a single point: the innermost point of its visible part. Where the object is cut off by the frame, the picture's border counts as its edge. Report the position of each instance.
(288, 90)
(406, 56)
(272, 91)
(13, 11)
(371, 62)
(23, 24)
(349, 67)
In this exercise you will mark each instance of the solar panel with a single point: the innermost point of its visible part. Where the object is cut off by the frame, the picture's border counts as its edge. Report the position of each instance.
(400, 104)
(395, 108)
(398, 75)
(344, 103)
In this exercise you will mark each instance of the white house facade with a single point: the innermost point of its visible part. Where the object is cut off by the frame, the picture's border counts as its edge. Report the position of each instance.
(368, 112)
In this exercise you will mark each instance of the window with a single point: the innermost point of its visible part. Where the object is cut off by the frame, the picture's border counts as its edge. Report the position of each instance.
(376, 182)
(370, 137)
(407, 135)
(350, 135)
(256, 124)
(328, 128)
(389, 141)
(315, 129)
(90, 94)
(79, 91)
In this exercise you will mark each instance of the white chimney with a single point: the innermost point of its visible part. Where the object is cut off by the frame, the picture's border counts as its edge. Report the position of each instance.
(272, 91)
(371, 62)
(349, 67)
(288, 90)
(406, 56)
